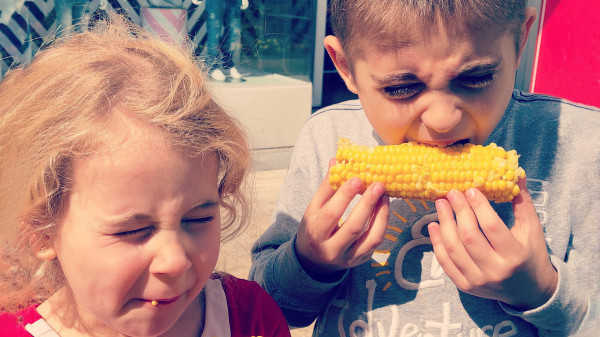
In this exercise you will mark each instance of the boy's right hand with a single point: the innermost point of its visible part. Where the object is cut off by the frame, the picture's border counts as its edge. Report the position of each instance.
(323, 246)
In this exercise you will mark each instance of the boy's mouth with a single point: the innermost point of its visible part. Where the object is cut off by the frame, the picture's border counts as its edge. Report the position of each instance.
(461, 142)
(447, 143)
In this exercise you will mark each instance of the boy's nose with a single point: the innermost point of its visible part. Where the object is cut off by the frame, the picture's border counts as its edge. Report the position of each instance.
(171, 256)
(442, 113)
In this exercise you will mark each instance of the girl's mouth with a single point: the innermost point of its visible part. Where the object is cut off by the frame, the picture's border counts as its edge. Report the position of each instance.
(161, 302)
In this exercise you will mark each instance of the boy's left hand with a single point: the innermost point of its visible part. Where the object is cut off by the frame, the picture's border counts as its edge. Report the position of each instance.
(486, 259)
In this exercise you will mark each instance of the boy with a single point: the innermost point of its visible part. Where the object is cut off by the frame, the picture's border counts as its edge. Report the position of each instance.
(438, 72)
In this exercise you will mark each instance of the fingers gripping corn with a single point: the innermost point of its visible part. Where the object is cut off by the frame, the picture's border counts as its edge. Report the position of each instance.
(419, 171)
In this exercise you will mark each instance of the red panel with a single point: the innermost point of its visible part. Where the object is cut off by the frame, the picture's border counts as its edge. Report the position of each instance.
(567, 60)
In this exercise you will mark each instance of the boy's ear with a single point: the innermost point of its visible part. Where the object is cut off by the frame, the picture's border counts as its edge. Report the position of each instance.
(530, 16)
(336, 53)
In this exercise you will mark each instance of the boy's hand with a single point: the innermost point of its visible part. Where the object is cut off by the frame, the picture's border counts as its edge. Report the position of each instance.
(486, 259)
(323, 246)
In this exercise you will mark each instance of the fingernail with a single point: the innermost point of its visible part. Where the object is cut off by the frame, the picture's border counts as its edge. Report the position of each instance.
(471, 193)
(378, 189)
(356, 183)
(451, 196)
(438, 203)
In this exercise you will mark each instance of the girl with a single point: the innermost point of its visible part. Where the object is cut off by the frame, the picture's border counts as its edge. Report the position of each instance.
(116, 162)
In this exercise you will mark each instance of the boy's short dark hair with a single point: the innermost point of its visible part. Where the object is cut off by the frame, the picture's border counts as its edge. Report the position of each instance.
(388, 24)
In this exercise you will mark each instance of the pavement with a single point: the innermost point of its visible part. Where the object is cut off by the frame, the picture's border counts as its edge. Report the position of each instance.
(266, 180)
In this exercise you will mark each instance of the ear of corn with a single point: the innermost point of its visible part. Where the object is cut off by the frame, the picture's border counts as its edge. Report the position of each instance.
(419, 171)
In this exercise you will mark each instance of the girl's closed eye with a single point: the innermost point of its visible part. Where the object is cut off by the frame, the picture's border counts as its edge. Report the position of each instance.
(139, 234)
(196, 222)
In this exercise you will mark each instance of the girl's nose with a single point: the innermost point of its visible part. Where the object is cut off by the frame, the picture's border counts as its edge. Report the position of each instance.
(442, 113)
(171, 257)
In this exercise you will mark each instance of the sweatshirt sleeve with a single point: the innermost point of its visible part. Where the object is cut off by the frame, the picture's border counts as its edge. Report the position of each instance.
(573, 309)
(300, 297)
(274, 262)
(569, 168)
(564, 311)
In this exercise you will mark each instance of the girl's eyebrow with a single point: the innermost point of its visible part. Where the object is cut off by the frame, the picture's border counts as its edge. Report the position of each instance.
(130, 220)
(138, 218)
(205, 205)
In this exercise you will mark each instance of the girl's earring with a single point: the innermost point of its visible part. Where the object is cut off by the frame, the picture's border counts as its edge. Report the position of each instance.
(46, 253)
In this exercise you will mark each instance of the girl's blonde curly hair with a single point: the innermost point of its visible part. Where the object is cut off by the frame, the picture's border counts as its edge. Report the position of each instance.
(56, 109)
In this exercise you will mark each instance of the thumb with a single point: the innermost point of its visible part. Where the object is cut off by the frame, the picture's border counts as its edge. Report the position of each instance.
(526, 217)
(332, 162)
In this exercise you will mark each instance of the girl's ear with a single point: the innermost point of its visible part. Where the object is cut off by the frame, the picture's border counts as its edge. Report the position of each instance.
(336, 53)
(42, 246)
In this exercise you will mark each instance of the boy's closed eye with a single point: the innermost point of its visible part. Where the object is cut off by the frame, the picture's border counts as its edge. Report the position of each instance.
(470, 82)
(478, 77)
(401, 86)
(403, 91)
(474, 82)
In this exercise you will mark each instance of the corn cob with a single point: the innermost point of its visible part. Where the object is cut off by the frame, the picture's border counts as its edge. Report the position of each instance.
(419, 171)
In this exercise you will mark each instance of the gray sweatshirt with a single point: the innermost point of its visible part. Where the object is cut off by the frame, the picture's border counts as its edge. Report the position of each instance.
(402, 291)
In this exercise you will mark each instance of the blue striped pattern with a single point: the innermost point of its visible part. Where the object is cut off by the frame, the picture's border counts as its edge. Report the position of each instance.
(34, 24)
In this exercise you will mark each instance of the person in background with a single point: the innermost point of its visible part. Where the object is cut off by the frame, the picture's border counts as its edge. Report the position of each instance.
(120, 176)
(438, 72)
(223, 37)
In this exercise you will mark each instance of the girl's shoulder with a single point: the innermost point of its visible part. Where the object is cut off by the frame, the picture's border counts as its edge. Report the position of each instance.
(251, 310)
(13, 323)
(237, 289)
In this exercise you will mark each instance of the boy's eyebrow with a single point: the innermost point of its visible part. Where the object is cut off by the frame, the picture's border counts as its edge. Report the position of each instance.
(478, 68)
(482, 67)
(392, 78)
